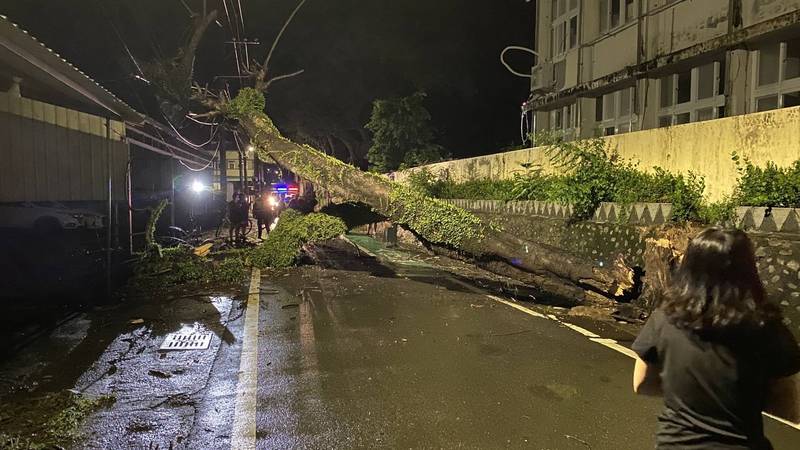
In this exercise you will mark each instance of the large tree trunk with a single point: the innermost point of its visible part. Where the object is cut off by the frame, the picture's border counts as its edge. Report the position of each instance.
(434, 220)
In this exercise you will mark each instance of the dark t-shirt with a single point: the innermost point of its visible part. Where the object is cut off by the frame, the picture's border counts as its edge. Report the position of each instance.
(715, 387)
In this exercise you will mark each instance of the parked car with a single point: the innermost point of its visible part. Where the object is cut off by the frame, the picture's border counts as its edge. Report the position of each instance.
(88, 218)
(28, 215)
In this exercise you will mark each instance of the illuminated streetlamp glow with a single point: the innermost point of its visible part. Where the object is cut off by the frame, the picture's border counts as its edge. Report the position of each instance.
(251, 149)
(198, 187)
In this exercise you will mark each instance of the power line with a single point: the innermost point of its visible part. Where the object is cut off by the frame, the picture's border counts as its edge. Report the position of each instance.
(235, 36)
(241, 13)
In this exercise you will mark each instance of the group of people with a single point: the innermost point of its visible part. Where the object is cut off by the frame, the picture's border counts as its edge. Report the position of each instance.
(264, 211)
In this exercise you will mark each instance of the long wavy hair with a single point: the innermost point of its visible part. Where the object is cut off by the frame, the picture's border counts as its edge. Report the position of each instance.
(716, 287)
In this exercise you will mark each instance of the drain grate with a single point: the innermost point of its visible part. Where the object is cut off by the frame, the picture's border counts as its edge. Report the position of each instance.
(186, 341)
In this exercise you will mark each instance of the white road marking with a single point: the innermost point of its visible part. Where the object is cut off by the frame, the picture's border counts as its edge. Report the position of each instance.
(796, 426)
(527, 311)
(608, 343)
(580, 330)
(244, 419)
(614, 345)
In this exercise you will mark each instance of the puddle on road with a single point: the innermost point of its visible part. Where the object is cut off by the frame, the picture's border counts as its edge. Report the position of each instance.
(115, 351)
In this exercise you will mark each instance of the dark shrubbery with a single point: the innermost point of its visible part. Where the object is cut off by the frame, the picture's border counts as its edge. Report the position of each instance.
(768, 186)
(591, 174)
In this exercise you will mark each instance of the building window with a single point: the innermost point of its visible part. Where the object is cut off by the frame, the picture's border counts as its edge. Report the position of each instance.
(564, 34)
(564, 120)
(614, 13)
(231, 165)
(615, 112)
(693, 95)
(777, 75)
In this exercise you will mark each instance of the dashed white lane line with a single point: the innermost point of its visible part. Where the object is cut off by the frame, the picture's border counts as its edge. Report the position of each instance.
(609, 343)
(243, 436)
(796, 426)
(614, 345)
(518, 307)
(580, 330)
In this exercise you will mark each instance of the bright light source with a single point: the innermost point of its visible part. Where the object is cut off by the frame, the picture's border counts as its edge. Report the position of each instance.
(198, 187)
(273, 201)
(250, 148)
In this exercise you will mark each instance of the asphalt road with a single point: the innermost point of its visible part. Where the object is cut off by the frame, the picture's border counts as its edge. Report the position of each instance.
(403, 357)
(353, 352)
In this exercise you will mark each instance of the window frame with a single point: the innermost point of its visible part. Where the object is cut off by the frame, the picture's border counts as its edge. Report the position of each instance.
(568, 130)
(560, 36)
(616, 120)
(695, 104)
(779, 88)
(605, 22)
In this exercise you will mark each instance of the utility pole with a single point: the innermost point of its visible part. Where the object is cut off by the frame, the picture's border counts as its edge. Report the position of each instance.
(109, 210)
(172, 192)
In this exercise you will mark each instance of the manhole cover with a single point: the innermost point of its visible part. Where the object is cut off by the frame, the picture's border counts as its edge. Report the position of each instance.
(186, 341)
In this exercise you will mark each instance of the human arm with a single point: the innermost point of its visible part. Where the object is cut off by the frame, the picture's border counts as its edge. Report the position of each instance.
(646, 372)
(646, 379)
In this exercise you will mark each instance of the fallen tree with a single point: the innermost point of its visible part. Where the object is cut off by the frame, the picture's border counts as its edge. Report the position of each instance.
(434, 221)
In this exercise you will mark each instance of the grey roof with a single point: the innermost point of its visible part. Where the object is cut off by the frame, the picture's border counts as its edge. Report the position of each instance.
(24, 54)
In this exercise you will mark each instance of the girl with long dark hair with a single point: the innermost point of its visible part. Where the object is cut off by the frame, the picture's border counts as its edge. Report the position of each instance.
(717, 350)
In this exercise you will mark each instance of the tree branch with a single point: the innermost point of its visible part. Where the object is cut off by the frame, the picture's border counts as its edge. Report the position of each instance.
(281, 77)
(262, 74)
(199, 26)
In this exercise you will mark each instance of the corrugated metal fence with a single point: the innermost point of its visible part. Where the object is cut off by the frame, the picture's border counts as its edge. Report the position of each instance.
(52, 153)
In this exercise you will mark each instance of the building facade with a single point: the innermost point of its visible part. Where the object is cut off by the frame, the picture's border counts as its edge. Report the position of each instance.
(609, 67)
(235, 167)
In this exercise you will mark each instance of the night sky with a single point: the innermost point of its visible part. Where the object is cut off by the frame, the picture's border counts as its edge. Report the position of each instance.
(353, 51)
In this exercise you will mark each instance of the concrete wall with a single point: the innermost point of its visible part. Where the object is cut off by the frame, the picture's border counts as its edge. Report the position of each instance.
(755, 11)
(686, 23)
(52, 153)
(613, 53)
(704, 148)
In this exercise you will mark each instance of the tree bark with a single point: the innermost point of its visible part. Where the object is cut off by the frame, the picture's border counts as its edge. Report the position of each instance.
(481, 239)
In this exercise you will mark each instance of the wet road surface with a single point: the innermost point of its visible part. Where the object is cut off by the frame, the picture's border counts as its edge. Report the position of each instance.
(354, 352)
(369, 358)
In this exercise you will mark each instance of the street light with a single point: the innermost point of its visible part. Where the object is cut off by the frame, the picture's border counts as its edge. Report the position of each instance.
(198, 186)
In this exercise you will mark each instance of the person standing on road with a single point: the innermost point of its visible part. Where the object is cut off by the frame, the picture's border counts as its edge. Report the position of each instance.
(717, 350)
(262, 212)
(235, 217)
(243, 207)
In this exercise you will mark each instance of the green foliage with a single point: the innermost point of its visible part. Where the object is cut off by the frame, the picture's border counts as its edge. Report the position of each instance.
(402, 134)
(687, 197)
(248, 102)
(294, 230)
(179, 266)
(439, 222)
(441, 187)
(720, 213)
(50, 421)
(590, 174)
(768, 186)
(151, 246)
